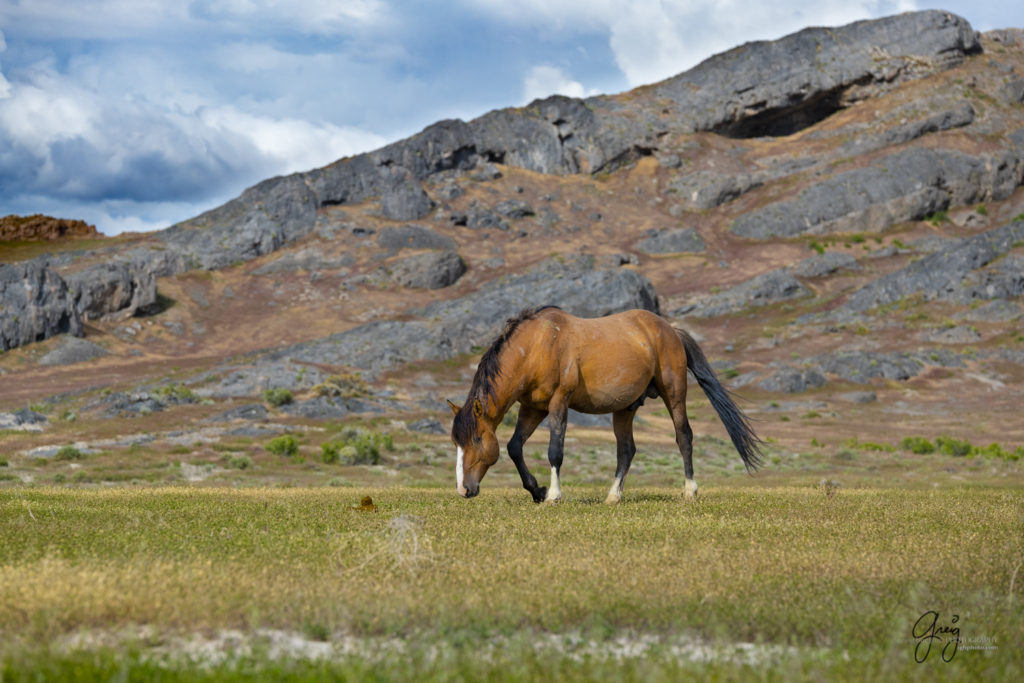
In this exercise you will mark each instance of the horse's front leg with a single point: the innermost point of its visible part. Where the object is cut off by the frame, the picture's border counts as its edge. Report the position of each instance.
(558, 412)
(529, 419)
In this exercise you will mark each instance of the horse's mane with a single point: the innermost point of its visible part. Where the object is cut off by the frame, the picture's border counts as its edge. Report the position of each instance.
(487, 372)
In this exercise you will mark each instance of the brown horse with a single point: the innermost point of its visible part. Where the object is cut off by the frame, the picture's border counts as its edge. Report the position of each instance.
(550, 361)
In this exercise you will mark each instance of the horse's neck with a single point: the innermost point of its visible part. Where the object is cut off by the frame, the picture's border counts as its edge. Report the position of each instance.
(505, 388)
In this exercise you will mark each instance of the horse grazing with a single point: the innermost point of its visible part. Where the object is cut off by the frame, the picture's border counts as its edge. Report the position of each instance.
(550, 361)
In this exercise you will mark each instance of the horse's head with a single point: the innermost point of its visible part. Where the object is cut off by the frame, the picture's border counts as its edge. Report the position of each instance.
(477, 447)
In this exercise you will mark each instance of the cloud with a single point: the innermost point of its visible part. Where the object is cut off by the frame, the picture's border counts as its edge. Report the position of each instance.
(542, 81)
(66, 139)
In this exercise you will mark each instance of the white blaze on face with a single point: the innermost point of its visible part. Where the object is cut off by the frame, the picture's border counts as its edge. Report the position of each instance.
(458, 473)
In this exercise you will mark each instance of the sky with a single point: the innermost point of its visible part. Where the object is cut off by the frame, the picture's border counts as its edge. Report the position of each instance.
(136, 114)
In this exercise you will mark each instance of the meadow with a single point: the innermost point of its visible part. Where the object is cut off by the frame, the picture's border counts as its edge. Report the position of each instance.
(765, 582)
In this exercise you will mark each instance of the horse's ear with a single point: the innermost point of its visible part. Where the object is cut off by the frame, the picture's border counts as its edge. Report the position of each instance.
(455, 408)
(478, 408)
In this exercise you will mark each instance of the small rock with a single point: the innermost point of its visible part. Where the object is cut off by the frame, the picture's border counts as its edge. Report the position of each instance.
(514, 208)
(249, 411)
(858, 397)
(432, 270)
(683, 240)
(427, 425)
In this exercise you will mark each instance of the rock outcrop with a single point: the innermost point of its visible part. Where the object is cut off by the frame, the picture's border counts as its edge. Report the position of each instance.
(952, 273)
(35, 304)
(779, 87)
(907, 185)
(40, 227)
(113, 289)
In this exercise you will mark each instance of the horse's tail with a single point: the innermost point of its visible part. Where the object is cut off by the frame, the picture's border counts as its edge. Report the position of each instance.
(736, 423)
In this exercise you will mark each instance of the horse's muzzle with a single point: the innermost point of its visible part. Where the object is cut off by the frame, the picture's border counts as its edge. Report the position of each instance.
(469, 491)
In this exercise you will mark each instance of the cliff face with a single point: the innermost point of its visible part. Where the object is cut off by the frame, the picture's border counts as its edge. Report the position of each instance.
(40, 227)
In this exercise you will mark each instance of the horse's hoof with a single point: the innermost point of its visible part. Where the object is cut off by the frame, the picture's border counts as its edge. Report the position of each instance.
(540, 494)
(612, 500)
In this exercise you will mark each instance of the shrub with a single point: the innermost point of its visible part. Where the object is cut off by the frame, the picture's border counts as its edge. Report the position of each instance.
(177, 393)
(278, 397)
(954, 447)
(68, 453)
(917, 444)
(329, 452)
(285, 445)
(343, 386)
(357, 447)
(239, 462)
(3, 463)
(994, 450)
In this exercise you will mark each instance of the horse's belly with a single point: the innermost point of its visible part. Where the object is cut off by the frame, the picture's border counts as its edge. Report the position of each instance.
(609, 398)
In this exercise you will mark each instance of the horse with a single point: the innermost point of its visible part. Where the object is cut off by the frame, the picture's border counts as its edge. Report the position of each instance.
(550, 361)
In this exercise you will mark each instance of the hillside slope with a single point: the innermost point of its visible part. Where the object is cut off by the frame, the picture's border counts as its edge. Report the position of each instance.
(836, 215)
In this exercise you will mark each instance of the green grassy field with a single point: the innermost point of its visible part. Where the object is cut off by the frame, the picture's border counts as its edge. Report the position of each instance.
(775, 582)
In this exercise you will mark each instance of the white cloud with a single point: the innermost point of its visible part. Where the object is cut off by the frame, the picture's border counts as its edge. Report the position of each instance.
(65, 138)
(298, 145)
(542, 81)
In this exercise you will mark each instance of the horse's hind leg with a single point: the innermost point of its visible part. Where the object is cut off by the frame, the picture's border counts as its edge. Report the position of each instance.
(622, 423)
(676, 404)
(529, 419)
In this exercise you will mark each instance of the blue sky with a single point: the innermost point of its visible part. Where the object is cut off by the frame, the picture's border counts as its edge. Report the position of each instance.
(135, 114)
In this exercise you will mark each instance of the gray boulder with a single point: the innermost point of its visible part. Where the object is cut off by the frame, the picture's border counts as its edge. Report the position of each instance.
(513, 208)
(904, 186)
(793, 380)
(708, 189)
(328, 408)
(35, 304)
(116, 290)
(765, 289)
(955, 116)
(860, 367)
(403, 197)
(825, 264)
(427, 425)
(944, 274)
(72, 350)
(431, 270)
(24, 420)
(309, 259)
(671, 242)
(413, 237)
(993, 312)
(255, 412)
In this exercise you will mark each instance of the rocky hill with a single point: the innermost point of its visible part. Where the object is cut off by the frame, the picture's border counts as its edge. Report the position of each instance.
(836, 214)
(40, 227)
